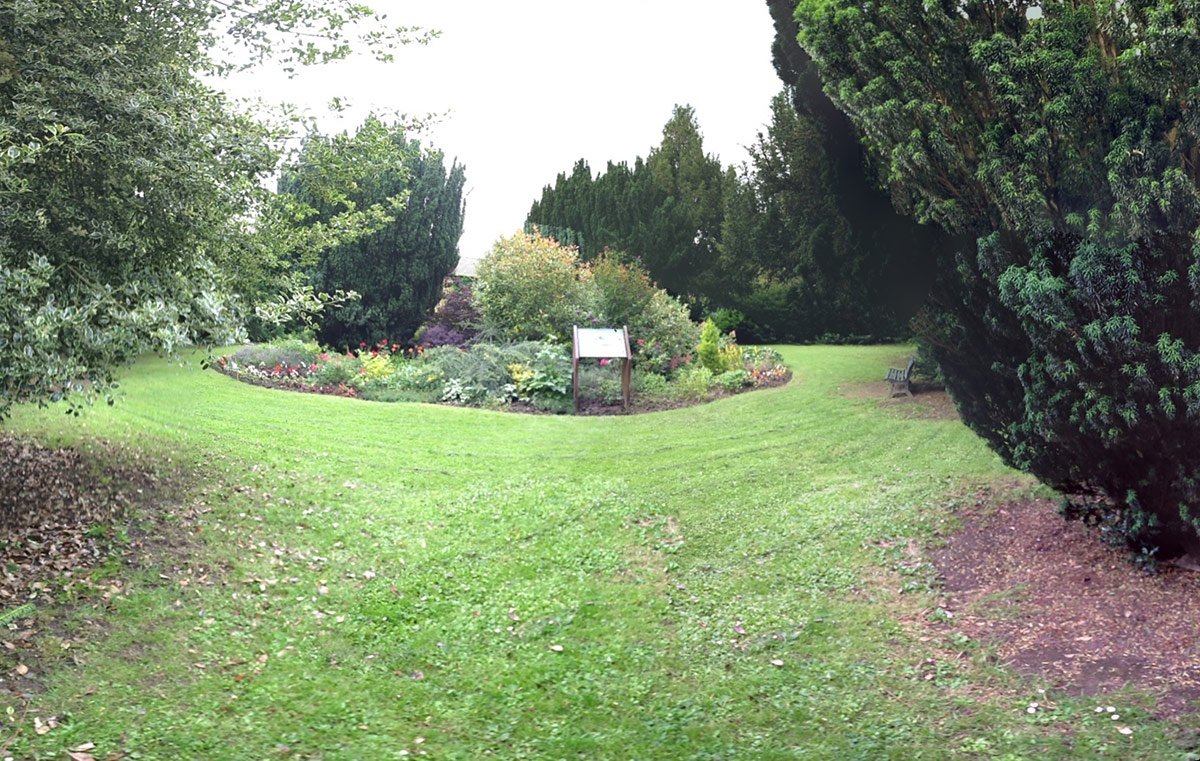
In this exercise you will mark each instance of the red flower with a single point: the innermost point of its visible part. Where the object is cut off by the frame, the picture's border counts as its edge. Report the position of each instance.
(362, 345)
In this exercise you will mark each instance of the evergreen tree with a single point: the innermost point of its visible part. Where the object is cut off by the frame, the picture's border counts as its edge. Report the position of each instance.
(687, 222)
(398, 266)
(861, 256)
(665, 210)
(1066, 144)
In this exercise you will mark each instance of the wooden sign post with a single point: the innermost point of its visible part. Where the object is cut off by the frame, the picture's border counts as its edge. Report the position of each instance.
(603, 343)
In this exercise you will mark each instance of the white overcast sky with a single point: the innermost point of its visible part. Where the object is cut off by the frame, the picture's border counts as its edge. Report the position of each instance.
(531, 86)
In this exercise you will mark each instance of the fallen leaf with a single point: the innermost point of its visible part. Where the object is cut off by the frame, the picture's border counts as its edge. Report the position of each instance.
(22, 669)
(557, 648)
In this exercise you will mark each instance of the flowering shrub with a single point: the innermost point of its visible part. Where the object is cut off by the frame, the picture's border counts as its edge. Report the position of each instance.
(663, 335)
(623, 289)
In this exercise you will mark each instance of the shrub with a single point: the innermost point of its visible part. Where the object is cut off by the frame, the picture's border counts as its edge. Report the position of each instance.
(527, 288)
(418, 376)
(483, 372)
(693, 382)
(623, 289)
(651, 387)
(664, 336)
(708, 351)
(733, 380)
(547, 376)
(455, 320)
(731, 354)
(373, 367)
(727, 320)
(443, 335)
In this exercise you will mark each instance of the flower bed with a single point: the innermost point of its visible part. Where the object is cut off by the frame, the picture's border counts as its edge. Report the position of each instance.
(529, 376)
(530, 292)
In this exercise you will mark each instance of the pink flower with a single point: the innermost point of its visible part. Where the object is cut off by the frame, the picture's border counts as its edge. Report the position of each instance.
(604, 362)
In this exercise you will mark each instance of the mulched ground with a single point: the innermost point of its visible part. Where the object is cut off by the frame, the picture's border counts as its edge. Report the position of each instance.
(1062, 606)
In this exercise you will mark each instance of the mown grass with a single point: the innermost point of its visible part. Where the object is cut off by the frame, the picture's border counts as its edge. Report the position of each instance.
(380, 581)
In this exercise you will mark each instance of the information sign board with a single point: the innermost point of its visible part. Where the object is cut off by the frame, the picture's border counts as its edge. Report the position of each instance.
(602, 343)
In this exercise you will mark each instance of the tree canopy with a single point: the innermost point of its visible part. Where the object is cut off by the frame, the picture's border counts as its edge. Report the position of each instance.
(398, 261)
(1066, 143)
(665, 209)
(127, 185)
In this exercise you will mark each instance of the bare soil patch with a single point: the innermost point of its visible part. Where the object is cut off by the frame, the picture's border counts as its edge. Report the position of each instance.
(928, 402)
(1061, 605)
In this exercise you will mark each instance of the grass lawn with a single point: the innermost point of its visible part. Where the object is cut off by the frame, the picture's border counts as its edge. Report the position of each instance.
(378, 581)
